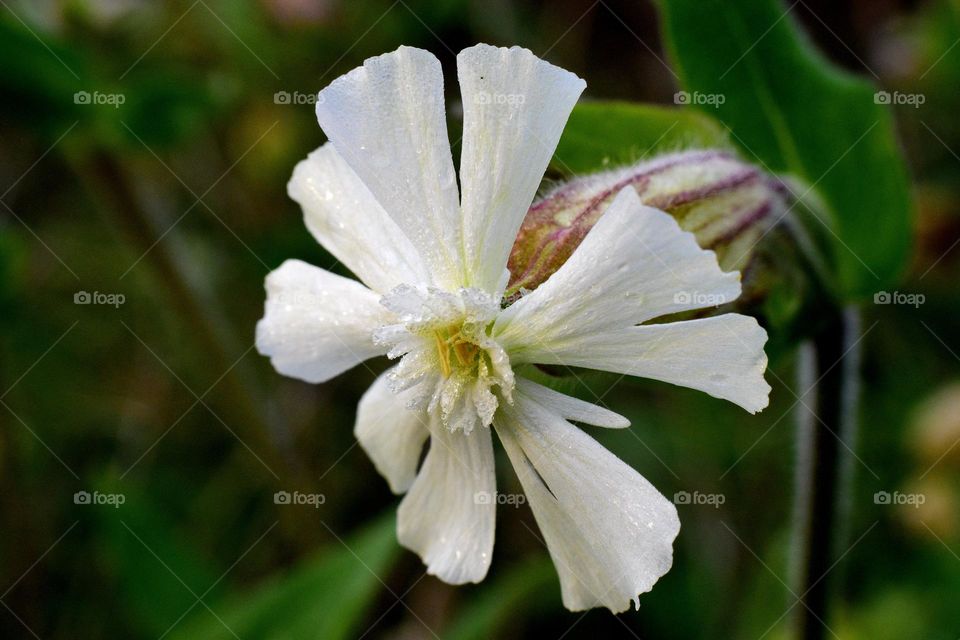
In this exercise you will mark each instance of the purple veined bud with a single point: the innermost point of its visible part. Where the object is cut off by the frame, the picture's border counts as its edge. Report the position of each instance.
(726, 203)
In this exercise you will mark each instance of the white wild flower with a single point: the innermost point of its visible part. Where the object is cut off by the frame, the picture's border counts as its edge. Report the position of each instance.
(382, 197)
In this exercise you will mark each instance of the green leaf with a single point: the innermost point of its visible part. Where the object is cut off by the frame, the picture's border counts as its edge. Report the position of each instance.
(531, 585)
(600, 133)
(154, 566)
(325, 597)
(793, 110)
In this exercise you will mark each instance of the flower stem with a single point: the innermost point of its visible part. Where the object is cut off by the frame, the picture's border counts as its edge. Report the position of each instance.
(828, 374)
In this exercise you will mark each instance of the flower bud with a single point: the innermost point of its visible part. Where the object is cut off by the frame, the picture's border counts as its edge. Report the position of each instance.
(727, 204)
(936, 427)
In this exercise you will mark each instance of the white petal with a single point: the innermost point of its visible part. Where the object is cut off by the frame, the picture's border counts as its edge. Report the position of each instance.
(722, 356)
(347, 220)
(386, 120)
(317, 324)
(634, 265)
(572, 408)
(391, 433)
(448, 515)
(609, 531)
(515, 106)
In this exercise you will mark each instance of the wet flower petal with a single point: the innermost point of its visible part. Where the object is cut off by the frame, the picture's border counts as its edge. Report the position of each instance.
(347, 220)
(391, 434)
(609, 531)
(316, 324)
(386, 120)
(514, 108)
(447, 517)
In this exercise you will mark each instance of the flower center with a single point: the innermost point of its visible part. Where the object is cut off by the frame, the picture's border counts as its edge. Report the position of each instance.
(445, 351)
(455, 350)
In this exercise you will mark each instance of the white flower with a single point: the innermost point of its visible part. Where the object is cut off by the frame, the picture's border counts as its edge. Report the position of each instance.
(382, 197)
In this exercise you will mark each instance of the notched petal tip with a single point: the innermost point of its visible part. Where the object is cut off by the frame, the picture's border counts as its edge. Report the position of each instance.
(620, 601)
(761, 404)
(756, 339)
(328, 107)
(517, 55)
(400, 53)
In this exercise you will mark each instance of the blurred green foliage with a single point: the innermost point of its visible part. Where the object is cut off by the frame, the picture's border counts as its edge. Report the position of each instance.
(325, 597)
(105, 198)
(601, 133)
(798, 114)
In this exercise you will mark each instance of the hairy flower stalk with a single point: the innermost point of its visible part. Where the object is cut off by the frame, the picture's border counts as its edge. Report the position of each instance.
(431, 258)
(727, 204)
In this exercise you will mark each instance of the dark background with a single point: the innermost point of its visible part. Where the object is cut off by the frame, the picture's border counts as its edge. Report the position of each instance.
(175, 199)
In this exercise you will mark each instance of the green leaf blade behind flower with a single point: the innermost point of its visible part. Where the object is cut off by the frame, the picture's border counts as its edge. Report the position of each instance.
(531, 586)
(789, 107)
(603, 133)
(323, 597)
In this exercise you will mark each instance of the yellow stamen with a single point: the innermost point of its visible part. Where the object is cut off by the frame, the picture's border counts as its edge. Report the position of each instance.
(465, 352)
(444, 352)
